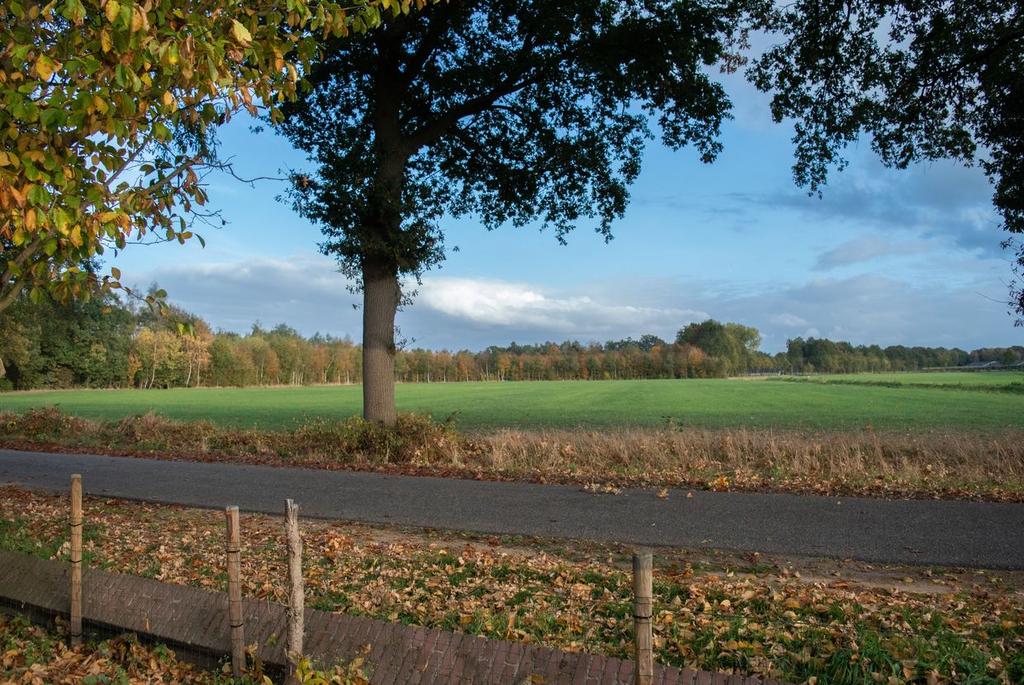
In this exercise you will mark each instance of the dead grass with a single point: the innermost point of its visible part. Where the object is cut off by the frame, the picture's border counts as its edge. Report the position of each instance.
(923, 464)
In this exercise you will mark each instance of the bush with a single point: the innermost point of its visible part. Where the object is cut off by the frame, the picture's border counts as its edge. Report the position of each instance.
(42, 422)
(414, 439)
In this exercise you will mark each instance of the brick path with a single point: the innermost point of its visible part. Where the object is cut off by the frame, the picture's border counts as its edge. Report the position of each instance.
(195, 622)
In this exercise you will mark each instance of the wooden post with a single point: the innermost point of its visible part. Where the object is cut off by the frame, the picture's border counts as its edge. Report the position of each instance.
(76, 560)
(296, 591)
(234, 549)
(643, 672)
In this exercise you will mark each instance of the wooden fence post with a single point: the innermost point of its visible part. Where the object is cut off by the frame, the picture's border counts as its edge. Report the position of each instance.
(76, 560)
(296, 591)
(234, 549)
(643, 673)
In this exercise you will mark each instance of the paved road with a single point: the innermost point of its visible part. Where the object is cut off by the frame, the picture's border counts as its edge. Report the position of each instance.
(917, 532)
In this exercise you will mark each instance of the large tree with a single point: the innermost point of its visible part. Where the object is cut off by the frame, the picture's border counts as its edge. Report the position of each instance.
(513, 111)
(922, 79)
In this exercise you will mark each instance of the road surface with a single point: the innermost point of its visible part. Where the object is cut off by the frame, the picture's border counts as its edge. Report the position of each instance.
(948, 533)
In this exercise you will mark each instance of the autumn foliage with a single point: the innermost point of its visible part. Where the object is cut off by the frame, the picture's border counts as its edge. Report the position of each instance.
(105, 111)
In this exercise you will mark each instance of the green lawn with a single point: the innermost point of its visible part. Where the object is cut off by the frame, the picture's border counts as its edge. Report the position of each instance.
(568, 404)
(966, 379)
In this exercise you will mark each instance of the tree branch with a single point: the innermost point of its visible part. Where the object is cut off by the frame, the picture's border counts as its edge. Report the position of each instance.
(15, 286)
(433, 130)
(438, 21)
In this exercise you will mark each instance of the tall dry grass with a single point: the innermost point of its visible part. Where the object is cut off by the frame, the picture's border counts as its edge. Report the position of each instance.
(743, 456)
(890, 463)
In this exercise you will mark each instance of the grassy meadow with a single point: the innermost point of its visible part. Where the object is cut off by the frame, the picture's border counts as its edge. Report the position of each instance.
(969, 402)
(981, 380)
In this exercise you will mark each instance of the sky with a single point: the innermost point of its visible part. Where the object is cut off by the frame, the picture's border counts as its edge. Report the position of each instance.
(907, 257)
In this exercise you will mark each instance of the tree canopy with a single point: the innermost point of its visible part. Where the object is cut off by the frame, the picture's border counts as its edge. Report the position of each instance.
(514, 111)
(734, 345)
(105, 107)
(923, 80)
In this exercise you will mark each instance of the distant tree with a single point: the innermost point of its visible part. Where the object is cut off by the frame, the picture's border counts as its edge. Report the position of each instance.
(158, 356)
(230, 362)
(515, 111)
(195, 348)
(714, 339)
(924, 80)
(648, 342)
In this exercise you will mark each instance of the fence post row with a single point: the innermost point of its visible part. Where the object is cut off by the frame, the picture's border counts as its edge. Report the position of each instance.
(642, 591)
(76, 560)
(234, 550)
(643, 673)
(296, 591)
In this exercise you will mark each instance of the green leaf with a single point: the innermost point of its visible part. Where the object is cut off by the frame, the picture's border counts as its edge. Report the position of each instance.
(240, 33)
(74, 11)
(52, 118)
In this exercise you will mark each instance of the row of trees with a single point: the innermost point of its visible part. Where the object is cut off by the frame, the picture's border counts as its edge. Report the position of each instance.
(105, 343)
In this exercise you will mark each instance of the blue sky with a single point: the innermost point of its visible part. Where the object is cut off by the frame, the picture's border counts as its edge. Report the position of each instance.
(894, 257)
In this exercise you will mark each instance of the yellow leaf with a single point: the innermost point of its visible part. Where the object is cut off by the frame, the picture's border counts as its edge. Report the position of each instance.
(240, 33)
(105, 44)
(168, 99)
(44, 67)
(112, 9)
(139, 21)
(4, 159)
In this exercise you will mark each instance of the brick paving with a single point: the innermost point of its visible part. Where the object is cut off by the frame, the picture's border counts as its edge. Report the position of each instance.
(195, 622)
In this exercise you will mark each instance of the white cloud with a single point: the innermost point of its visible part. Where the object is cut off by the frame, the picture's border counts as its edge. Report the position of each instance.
(308, 293)
(867, 248)
(529, 309)
(942, 201)
(872, 308)
(788, 320)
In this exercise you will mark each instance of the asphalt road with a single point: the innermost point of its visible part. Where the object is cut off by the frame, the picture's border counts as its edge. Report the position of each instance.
(976, 534)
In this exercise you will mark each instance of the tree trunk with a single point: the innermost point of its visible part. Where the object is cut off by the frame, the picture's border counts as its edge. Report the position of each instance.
(381, 294)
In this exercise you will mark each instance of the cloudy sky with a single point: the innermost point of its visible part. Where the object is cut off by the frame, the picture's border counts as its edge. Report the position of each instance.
(893, 257)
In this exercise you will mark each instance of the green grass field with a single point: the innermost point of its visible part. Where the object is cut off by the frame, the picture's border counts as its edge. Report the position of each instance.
(993, 380)
(568, 404)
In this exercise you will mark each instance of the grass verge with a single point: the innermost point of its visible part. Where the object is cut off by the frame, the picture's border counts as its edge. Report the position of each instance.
(762, 621)
(921, 464)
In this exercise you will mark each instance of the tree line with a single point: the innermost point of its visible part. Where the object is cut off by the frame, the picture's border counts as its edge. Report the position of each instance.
(106, 343)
